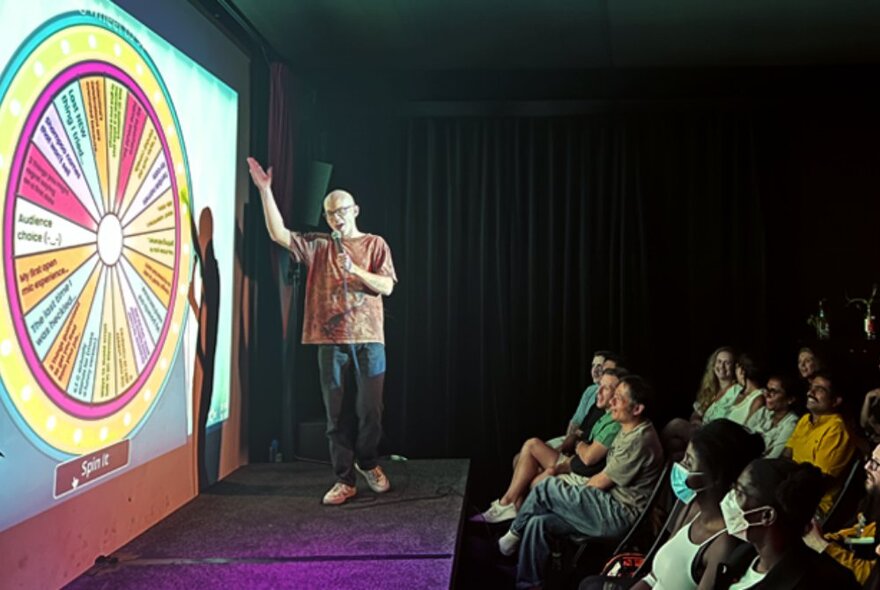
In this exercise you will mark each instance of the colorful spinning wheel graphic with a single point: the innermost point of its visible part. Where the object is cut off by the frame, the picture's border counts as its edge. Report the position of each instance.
(96, 242)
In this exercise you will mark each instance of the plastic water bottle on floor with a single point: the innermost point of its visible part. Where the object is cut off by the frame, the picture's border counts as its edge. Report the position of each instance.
(273, 451)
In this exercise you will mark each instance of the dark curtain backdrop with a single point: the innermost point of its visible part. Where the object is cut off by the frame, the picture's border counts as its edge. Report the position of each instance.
(268, 347)
(524, 243)
(660, 228)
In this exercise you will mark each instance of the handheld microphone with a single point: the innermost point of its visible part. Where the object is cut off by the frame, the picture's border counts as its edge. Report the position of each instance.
(337, 241)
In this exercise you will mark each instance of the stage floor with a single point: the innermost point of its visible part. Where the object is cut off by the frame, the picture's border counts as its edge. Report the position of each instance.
(264, 527)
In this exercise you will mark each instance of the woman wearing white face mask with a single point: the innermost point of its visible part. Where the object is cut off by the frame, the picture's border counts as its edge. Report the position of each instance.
(770, 507)
(716, 455)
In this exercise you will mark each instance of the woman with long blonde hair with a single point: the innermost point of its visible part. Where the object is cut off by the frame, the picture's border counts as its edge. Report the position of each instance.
(717, 378)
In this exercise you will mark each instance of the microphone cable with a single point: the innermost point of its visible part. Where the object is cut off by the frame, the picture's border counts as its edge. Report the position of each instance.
(349, 311)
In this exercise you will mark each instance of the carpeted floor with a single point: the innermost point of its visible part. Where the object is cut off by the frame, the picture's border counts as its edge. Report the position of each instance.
(264, 527)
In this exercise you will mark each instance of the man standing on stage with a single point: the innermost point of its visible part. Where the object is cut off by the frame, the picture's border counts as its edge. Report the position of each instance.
(348, 273)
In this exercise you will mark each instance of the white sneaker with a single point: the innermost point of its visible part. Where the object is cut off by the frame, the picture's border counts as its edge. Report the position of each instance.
(376, 478)
(339, 493)
(508, 544)
(497, 512)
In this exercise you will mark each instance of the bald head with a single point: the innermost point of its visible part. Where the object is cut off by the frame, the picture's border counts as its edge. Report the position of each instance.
(336, 199)
(341, 213)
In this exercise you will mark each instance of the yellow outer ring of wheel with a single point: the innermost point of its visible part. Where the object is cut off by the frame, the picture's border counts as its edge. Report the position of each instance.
(56, 53)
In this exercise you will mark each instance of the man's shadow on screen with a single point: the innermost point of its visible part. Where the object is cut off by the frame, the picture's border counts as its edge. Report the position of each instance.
(207, 311)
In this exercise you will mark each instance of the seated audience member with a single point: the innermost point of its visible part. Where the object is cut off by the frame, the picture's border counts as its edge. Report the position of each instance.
(589, 457)
(873, 582)
(587, 400)
(715, 457)
(821, 437)
(808, 363)
(607, 505)
(537, 458)
(751, 394)
(869, 417)
(717, 378)
(720, 407)
(853, 547)
(587, 405)
(776, 419)
(770, 507)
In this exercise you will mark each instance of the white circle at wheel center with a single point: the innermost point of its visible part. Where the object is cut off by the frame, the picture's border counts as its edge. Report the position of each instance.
(110, 239)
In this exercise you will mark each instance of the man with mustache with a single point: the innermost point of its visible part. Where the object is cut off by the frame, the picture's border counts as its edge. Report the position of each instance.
(821, 437)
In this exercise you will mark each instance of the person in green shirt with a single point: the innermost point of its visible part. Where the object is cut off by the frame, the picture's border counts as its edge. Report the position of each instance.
(538, 461)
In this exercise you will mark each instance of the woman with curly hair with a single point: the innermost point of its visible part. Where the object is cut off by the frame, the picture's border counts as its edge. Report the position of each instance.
(717, 379)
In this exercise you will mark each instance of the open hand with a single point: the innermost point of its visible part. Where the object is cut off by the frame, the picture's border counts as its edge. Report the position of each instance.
(262, 178)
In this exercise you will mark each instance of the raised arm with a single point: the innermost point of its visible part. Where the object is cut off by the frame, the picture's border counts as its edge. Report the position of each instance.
(274, 222)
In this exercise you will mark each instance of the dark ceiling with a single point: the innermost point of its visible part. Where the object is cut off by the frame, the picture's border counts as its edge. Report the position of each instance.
(561, 34)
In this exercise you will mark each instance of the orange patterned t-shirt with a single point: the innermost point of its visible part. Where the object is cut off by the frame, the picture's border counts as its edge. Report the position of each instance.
(337, 313)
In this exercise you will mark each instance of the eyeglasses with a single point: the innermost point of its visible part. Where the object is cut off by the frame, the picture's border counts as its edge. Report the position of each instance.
(338, 212)
(872, 464)
(775, 391)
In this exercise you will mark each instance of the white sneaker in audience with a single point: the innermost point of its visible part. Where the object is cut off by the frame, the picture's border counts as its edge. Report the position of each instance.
(508, 544)
(497, 512)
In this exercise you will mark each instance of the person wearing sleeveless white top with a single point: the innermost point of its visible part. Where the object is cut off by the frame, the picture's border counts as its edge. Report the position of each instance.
(716, 455)
(669, 571)
(750, 397)
(741, 411)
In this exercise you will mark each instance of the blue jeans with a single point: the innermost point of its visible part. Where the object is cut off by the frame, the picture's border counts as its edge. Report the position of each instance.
(558, 509)
(352, 437)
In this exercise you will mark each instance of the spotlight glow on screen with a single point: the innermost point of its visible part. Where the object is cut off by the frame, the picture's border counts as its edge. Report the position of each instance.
(111, 141)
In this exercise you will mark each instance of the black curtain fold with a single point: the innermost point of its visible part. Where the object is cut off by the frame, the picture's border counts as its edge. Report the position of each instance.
(523, 249)
(528, 242)
(659, 228)
(523, 243)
